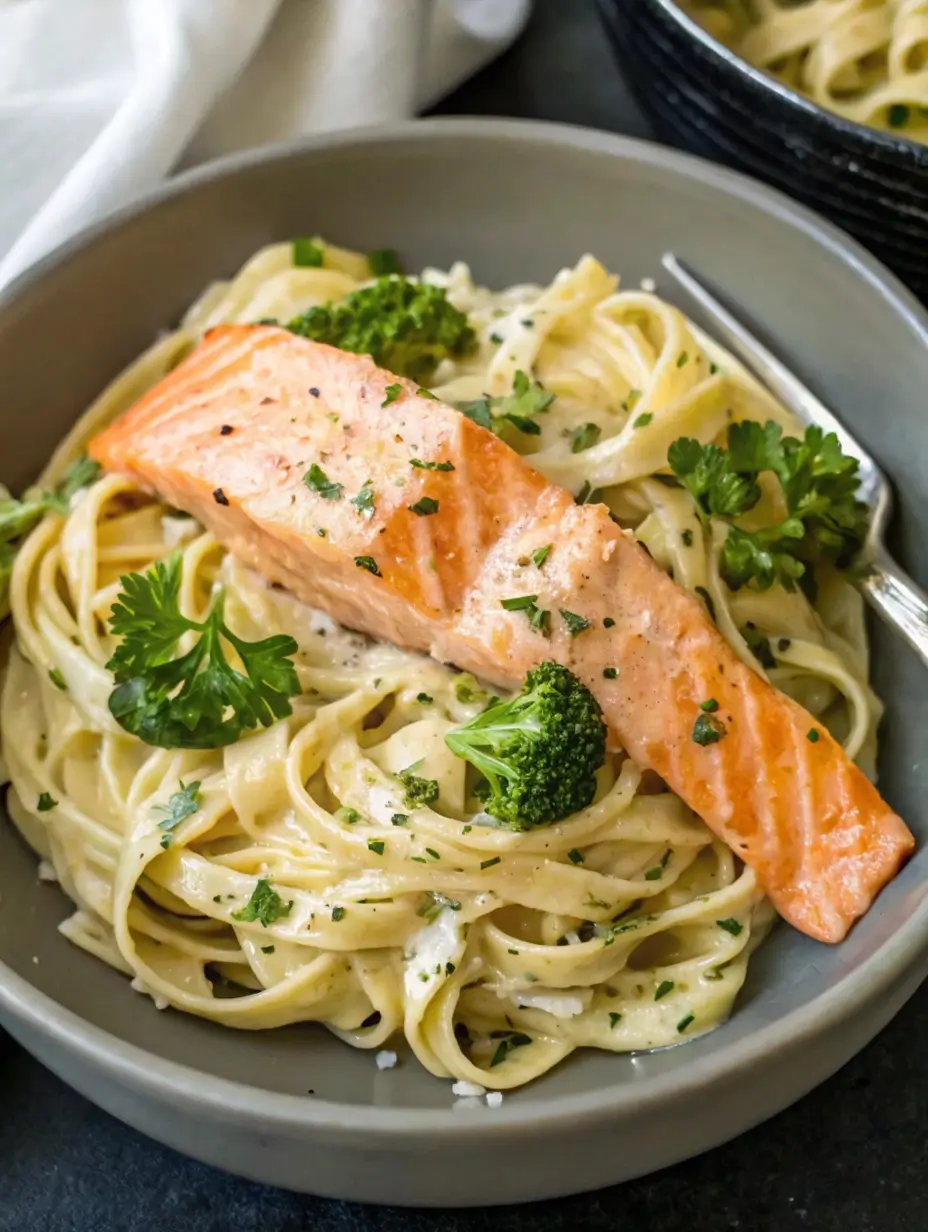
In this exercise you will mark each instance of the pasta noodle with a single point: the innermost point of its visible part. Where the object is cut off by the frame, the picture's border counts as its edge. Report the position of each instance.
(865, 60)
(496, 953)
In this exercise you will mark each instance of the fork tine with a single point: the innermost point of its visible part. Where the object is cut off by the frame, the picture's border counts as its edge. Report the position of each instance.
(765, 365)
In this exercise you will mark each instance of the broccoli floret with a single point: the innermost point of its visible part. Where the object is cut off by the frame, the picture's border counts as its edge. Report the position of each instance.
(407, 327)
(539, 751)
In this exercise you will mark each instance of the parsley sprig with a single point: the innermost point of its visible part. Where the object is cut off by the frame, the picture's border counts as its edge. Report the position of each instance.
(196, 700)
(825, 521)
(516, 409)
(18, 517)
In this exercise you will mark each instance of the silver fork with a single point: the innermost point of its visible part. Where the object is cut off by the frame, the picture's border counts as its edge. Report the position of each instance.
(890, 590)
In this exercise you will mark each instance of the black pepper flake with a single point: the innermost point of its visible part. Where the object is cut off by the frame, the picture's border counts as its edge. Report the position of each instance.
(226, 430)
(220, 497)
(314, 391)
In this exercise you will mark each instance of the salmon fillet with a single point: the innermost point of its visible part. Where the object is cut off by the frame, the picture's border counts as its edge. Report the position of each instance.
(427, 558)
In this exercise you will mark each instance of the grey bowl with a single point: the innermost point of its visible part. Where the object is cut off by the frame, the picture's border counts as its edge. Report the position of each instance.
(518, 200)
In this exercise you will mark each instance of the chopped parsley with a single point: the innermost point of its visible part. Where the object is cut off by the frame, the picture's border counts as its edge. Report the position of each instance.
(45, 803)
(710, 705)
(430, 851)
(220, 497)
(730, 925)
(575, 856)
(349, 815)
(663, 988)
(584, 437)
(491, 862)
(424, 700)
(424, 507)
(308, 253)
(183, 804)
(540, 555)
(657, 872)
(898, 115)
(708, 730)
(57, 679)
(610, 673)
(399, 819)
(575, 624)
(422, 465)
(538, 618)
(264, 907)
(268, 949)
(507, 1041)
(527, 398)
(608, 623)
(634, 396)
(614, 1019)
(434, 904)
(391, 393)
(643, 420)
(368, 563)
(338, 914)
(364, 501)
(376, 845)
(686, 537)
(813, 735)
(685, 1022)
(318, 481)
(427, 393)
(682, 358)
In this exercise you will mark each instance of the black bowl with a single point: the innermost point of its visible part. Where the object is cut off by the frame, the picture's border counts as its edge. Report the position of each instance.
(700, 96)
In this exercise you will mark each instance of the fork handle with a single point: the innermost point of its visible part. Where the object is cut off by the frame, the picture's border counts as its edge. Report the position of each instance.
(900, 602)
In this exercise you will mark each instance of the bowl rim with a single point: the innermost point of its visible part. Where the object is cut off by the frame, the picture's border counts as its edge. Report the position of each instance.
(161, 1079)
(884, 141)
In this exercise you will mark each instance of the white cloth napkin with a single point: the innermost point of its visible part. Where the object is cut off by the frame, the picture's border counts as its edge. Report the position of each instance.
(100, 99)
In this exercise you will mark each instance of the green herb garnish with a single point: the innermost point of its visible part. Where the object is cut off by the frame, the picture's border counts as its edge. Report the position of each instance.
(575, 624)
(368, 563)
(197, 700)
(584, 437)
(183, 804)
(264, 907)
(318, 481)
(708, 730)
(364, 501)
(308, 253)
(424, 507)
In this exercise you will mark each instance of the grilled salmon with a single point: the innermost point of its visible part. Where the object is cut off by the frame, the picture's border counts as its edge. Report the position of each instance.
(401, 517)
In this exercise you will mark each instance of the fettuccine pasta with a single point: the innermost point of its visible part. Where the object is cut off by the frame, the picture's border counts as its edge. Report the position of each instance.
(494, 952)
(866, 60)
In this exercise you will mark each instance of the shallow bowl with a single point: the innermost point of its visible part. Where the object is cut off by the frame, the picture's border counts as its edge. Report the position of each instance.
(296, 1107)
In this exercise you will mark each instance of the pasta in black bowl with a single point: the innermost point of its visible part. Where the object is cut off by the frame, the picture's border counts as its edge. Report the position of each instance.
(850, 146)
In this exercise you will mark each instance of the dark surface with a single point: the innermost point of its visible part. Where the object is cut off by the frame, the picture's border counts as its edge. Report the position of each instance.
(850, 1157)
(699, 96)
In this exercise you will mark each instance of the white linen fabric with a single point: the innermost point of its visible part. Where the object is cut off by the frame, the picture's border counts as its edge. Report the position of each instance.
(100, 99)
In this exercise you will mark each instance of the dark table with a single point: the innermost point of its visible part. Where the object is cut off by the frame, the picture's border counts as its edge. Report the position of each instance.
(851, 1157)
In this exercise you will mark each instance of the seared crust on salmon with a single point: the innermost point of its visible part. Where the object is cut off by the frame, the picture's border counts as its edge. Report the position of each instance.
(416, 526)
